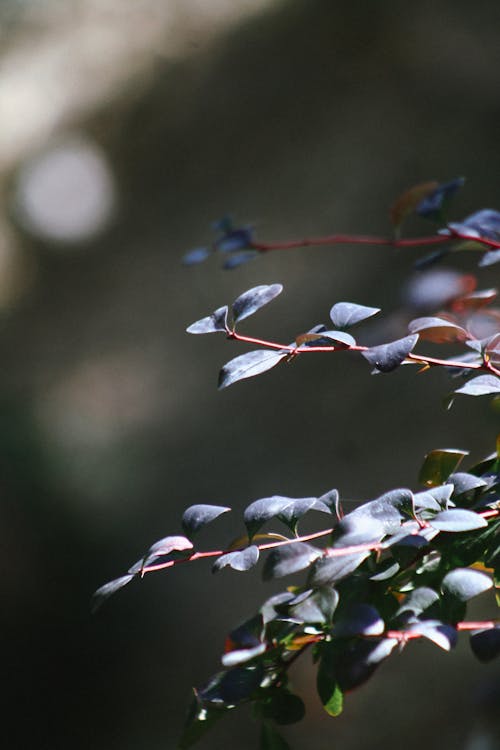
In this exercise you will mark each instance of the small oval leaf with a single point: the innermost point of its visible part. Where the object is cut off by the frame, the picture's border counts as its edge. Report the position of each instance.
(464, 583)
(213, 323)
(388, 357)
(248, 365)
(457, 519)
(252, 300)
(345, 314)
(197, 516)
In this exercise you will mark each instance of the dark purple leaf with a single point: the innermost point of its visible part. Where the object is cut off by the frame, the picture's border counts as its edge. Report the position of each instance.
(388, 357)
(235, 239)
(457, 519)
(284, 561)
(297, 508)
(419, 601)
(315, 606)
(433, 205)
(483, 385)
(233, 686)
(197, 516)
(345, 314)
(213, 323)
(359, 619)
(252, 300)
(326, 338)
(248, 365)
(328, 570)
(485, 644)
(240, 560)
(463, 482)
(465, 583)
(358, 660)
(332, 500)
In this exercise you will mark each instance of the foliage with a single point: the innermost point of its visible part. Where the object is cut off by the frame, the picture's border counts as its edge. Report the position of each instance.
(397, 568)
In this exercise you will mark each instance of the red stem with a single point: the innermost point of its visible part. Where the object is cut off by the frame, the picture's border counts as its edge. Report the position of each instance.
(417, 358)
(357, 239)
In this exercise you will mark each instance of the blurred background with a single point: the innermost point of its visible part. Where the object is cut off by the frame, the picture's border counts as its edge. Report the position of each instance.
(126, 128)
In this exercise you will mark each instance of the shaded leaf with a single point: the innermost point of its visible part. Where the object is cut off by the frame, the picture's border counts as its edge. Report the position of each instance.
(326, 338)
(418, 601)
(260, 511)
(213, 323)
(388, 357)
(282, 707)
(232, 686)
(465, 483)
(359, 619)
(253, 299)
(485, 644)
(197, 516)
(439, 464)
(240, 560)
(345, 314)
(199, 720)
(317, 606)
(284, 561)
(298, 507)
(483, 385)
(234, 239)
(464, 583)
(435, 203)
(249, 364)
(437, 330)
(457, 519)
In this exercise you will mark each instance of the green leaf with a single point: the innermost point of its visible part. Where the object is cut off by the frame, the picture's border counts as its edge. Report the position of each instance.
(438, 465)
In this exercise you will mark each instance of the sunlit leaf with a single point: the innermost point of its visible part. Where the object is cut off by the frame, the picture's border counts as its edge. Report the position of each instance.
(252, 300)
(213, 323)
(240, 560)
(345, 314)
(482, 385)
(104, 592)
(464, 583)
(249, 364)
(260, 511)
(388, 357)
(166, 546)
(439, 464)
(457, 519)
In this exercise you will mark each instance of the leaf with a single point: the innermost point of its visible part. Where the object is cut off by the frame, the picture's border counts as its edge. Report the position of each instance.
(282, 707)
(298, 507)
(260, 511)
(284, 561)
(198, 255)
(418, 601)
(440, 633)
(166, 546)
(331, 695)
(435, 203)
(388, 509)
(197, 516)
(485, 644)
(465, 483)
(490, 258)
(248, 365)
(235, 260)
(359, 619)
(457, 519)
(242, 655)
(325, 339)
(252, 300)
(332, 500)
(213, 323)
(439, 464)
(232, 686)
(345, 314)
(463, 583)
(314, 606)
(407, 202)
(437, 330)
(484, 223)
(234, 239)
(328, 570)
(240, 560)
(483, 385)
(388, 357)
(199, 720)
(270, 739)
(104, 592)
